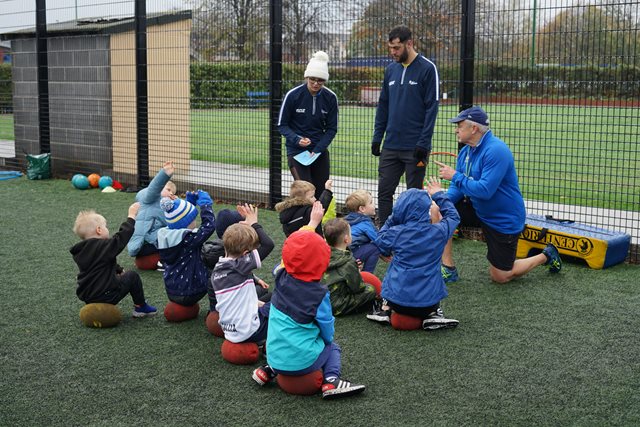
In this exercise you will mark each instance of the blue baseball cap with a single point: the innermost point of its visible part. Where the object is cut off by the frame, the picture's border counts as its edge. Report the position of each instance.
(475, 114)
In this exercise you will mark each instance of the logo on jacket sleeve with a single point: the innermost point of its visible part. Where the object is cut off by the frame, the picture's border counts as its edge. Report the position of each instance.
(411, 82)
(300, 110)
(392, 82)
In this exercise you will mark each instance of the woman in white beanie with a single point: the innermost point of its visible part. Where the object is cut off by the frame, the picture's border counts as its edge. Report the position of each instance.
(309, 121)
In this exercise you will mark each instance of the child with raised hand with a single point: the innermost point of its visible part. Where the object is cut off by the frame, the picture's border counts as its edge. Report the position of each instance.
(180, 243)
(151, 217)
(363, 231)
(349, 294)
(301, 324)
(413, 284)
(101, 279)
(243, 318)
(214, 250)
(295, 211)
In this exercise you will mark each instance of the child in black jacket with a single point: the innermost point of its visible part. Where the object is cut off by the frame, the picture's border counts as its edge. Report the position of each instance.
(295, 211)
(101, 279)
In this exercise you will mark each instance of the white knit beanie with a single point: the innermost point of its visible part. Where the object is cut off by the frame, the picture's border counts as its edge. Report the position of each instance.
(318, 66)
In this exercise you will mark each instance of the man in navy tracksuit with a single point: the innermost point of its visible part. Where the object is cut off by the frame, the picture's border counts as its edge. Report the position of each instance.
(309, 121)
(405, 116)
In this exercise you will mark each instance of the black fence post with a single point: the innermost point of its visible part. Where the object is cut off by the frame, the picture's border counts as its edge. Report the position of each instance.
(42, 64)
(275, 100)
(142, 102)
(467, 52)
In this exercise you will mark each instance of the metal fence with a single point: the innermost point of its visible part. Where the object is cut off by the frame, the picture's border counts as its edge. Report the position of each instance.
(118, 87)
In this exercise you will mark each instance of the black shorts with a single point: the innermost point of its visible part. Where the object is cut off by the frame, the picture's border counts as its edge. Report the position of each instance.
(501, 248)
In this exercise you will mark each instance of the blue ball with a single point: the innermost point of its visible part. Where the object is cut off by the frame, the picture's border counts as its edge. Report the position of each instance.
(80, 182)
(105, 181)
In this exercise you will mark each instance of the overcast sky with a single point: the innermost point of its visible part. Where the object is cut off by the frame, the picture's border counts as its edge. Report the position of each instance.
(17, 14)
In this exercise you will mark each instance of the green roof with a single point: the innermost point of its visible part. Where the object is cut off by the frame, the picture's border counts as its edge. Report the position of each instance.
(99, 25)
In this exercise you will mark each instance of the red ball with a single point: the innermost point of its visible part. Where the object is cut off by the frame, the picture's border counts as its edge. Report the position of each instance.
(244, 353)
(402, 322)
(372, 280)
(94, 178)
(304, 385)
(212, 324)
(147, 262)
(179, 313)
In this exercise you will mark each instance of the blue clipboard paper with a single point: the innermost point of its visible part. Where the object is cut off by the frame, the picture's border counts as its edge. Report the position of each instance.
(306, 158)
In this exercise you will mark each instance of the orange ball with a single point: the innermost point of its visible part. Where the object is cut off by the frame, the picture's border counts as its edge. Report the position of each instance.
(212, 324)
(402, 322)
(304, 385)
(370, 279)
(93, 180)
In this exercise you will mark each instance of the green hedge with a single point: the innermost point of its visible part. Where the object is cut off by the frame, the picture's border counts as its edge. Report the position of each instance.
(581, 82)
(226, 84)
(6, 87)
(222, 85)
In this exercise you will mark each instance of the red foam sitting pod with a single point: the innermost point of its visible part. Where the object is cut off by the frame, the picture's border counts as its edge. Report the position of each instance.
(304, 385)
(402, 322)
(373, 280)
(212, 324)
(179, 313)
(147, 262)
(243, 353)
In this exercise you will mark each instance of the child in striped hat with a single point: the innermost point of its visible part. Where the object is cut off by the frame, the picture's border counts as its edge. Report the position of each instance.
(180, 243)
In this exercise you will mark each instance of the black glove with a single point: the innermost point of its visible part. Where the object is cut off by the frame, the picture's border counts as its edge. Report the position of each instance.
(421, 155)
(375, 149)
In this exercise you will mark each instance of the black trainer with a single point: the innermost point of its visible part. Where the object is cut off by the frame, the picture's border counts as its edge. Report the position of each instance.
(553, 258)
(263, 375)
(377, 314)
(437, 321)
(337, 387)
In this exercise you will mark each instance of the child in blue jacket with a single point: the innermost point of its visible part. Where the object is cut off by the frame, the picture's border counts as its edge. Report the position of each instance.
(413, 284)
(150, 216)
(301, 324)
(180, 243)
(363, 231)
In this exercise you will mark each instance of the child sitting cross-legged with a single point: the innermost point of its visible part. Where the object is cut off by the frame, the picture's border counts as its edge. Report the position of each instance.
(301, 323)
(101, 279)
(413, 284)
(243, 317)
(180, 243)
(348, 292)
(295, 211)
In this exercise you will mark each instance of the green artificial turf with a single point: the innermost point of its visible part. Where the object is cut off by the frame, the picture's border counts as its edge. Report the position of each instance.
(543, 350)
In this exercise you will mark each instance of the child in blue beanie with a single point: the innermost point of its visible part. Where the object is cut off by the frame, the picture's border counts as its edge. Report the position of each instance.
(180, 244)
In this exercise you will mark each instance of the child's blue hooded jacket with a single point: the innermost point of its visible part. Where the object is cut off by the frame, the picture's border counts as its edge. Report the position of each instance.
(413, 278)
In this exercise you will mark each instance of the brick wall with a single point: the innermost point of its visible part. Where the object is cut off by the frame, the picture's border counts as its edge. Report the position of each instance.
(79, 98)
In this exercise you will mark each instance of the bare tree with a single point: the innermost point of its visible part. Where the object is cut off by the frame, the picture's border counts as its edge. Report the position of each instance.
(431, 22)
(233, 29)
(589, 35)
(299, 19)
